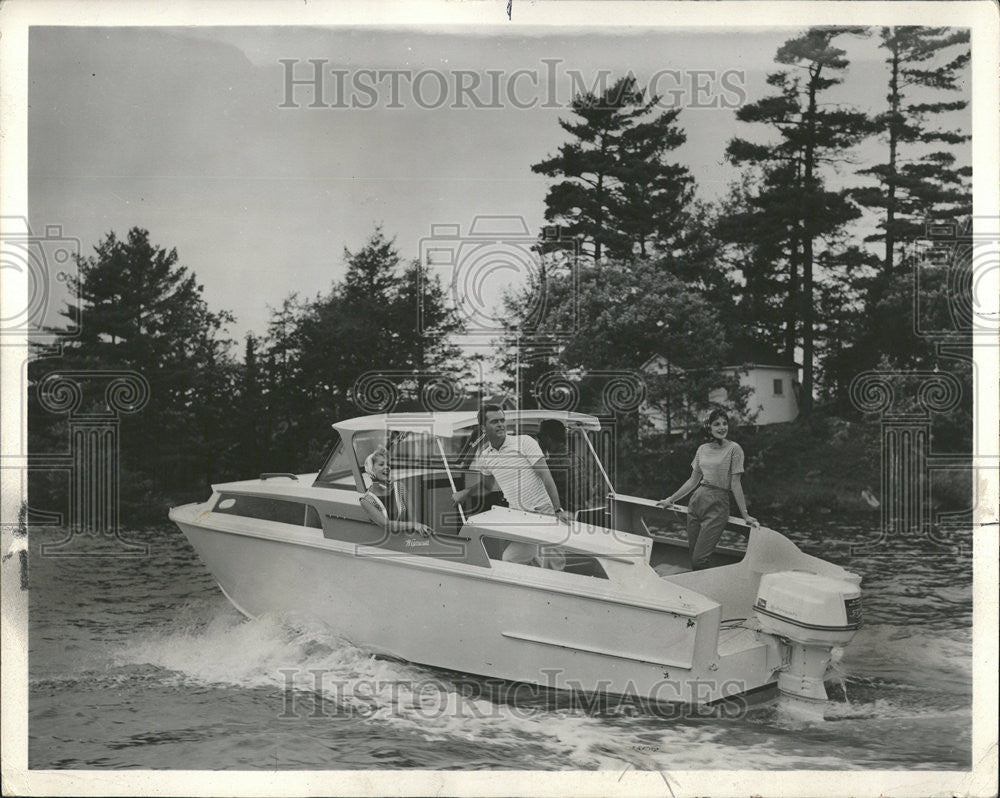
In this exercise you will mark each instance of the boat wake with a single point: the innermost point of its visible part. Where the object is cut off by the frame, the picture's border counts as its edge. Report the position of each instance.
(906, 657)
(322, 676)
(309, 675)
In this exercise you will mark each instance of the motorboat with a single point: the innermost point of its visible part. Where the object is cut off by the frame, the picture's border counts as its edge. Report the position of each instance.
(615, 610)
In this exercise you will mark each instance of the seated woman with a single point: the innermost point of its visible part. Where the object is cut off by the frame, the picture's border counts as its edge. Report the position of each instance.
(385, 500)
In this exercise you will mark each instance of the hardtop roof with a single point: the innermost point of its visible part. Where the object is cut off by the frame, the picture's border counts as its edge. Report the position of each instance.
(449, 424)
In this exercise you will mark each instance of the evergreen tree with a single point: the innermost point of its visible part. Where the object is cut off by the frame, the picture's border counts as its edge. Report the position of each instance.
(140, 309)
(386, 315)
(917, 183)
(811, 134)
(760, 223)
(253, 419)
(617, 193)
(652, 197)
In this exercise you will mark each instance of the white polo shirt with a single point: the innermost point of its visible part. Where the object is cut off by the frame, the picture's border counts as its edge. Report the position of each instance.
(512, 465)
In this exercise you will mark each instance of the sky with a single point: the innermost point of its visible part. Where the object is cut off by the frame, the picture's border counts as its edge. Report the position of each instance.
(182, 131)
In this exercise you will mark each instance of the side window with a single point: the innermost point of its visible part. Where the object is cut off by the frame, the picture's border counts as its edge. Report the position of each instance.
(571, 562)
(337, 471)
(281, 511)
(779, 388)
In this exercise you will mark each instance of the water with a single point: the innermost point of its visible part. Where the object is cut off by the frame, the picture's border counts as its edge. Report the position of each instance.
(142, 663)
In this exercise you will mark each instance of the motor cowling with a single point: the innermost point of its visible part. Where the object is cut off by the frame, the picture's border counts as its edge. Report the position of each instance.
(812, 614)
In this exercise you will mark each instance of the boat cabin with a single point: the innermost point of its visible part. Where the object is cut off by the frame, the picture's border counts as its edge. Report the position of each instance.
(430, 456)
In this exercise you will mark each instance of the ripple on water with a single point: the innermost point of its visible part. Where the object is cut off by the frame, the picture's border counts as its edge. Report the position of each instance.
(147, 665)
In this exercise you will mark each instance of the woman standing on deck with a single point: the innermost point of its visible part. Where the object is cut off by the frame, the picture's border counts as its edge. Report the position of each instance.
(715, 472)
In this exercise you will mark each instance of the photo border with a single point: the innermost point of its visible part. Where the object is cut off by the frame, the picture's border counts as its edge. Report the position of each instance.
(16, 16)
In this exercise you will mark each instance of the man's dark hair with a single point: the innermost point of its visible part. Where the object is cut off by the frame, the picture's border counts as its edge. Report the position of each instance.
(484, 409)
(552, 431)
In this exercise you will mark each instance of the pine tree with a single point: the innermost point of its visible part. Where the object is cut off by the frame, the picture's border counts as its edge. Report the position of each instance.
(253, 418)
(385, 315)
(140, 309)
(812, 134)
(617, 194)
(916, 185)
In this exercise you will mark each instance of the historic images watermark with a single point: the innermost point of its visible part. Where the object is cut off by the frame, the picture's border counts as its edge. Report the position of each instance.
(589, 461)
(495, 257)
(954, 311)
(318, 693)
(44, 270)
(38, 270)
(94, 401)
(967, 259)
(484, 269)
(322, 83)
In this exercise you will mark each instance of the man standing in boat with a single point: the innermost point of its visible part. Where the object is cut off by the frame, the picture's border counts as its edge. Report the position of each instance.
(518, 465)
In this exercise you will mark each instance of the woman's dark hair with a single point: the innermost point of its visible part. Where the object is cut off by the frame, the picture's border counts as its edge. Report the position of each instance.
(717, 413)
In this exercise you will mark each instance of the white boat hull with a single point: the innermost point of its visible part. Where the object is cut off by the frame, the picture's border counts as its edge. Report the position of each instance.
(483, 621)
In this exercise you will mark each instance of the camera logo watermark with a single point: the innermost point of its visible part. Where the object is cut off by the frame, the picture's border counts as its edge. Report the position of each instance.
(498, 256)
(549, 84)
(36, 271)
(962, 264)
(382, 390)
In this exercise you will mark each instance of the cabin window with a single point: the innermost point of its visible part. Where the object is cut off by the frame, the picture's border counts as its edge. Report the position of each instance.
(779, 387)
(407, 449)
(572, 562)
(265, 508)
(338, 470)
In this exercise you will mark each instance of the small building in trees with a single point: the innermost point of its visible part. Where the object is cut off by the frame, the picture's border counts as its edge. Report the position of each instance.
(772, 380)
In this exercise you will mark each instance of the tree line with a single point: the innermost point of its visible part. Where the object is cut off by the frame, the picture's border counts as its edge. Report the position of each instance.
(656, 271)
(209, 416)
(779, 260)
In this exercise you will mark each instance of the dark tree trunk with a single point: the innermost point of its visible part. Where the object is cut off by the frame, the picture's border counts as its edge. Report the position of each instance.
(890, 209)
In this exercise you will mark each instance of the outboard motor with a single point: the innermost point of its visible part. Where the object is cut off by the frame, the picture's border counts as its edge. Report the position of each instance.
(812, 614)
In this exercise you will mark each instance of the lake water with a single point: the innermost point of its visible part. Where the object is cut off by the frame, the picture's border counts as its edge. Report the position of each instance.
(143, 663)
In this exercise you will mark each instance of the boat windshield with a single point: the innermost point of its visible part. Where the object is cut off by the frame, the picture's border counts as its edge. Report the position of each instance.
(409, 450)
(414, 450)
(337, 471)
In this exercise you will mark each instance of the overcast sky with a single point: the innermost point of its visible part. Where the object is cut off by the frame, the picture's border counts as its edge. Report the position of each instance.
(181, 131)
